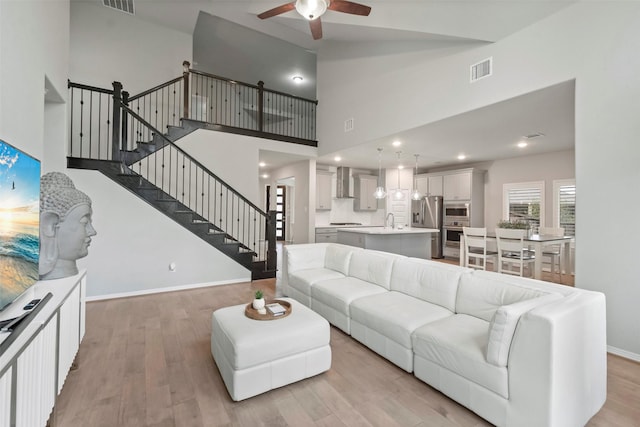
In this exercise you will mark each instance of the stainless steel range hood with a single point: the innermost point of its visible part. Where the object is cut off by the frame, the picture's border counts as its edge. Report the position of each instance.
(344, 189)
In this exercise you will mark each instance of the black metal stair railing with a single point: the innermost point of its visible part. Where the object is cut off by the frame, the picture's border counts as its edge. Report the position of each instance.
(103, 127)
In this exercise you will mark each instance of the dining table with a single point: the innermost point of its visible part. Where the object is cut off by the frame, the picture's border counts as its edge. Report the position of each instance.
(537, 242)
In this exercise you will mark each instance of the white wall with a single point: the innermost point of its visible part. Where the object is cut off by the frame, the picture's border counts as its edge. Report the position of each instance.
(34, 40)
(108, 45)
(135, 245)
(595, 43)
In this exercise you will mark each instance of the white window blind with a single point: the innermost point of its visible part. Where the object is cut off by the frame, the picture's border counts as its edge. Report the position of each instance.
(524, 202)
(565, 206)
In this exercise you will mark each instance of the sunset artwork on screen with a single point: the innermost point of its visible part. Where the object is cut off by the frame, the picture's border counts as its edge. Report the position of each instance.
(19, 222)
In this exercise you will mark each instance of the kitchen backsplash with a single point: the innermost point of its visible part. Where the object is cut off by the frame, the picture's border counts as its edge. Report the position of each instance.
(342, 211)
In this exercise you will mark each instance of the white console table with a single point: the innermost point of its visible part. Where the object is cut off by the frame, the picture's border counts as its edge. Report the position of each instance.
(34, 366)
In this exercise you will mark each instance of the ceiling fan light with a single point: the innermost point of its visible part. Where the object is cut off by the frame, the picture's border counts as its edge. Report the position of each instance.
(311, 9)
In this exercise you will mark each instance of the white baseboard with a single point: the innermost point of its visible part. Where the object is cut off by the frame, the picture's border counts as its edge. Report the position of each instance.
(167, 289)
(623, 353)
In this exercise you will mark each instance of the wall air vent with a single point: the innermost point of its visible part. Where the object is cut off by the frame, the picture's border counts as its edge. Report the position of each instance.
(482, 69)
(534, 135)
(121, 5)
(348, 125)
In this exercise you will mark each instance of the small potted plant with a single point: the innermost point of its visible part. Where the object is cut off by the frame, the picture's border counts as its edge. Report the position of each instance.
(258, 302)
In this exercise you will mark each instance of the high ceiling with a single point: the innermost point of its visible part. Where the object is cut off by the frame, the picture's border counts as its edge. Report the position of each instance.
(484, 134)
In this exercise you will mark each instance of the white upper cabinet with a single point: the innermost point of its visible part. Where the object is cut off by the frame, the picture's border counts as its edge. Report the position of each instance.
(457, 186)
(365, 186)
(323, 190)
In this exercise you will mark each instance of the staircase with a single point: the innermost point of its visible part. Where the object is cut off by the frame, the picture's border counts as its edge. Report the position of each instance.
(119, 137)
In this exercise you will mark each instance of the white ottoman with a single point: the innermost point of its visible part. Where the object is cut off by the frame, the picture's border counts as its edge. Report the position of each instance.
(255, 356)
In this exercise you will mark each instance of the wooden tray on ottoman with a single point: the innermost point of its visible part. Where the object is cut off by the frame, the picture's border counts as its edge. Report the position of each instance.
(252, 313)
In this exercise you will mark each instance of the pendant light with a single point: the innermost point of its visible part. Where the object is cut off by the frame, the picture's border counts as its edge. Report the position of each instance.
(380, 193)
(398, 195)
(415, 194)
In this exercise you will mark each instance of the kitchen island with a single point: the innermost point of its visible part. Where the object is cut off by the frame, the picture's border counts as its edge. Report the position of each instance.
(413, 242)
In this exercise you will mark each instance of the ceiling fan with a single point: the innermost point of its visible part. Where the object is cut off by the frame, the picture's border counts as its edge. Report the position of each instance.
(312, 10)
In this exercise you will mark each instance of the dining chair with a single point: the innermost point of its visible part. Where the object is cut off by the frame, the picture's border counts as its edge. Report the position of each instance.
(475, 241)
(512, 251)
(553, 252)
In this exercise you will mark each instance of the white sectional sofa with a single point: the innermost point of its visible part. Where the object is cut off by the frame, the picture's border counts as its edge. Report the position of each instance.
(516, 351)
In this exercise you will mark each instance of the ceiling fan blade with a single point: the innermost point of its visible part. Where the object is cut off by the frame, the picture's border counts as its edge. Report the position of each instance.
(316, 28)
(349, 7)
(278, 10)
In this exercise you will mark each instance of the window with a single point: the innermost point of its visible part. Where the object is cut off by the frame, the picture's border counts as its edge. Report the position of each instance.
(524, 201)
(564, 205)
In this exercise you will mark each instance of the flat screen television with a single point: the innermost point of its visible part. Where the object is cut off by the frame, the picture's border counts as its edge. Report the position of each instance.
(19, 222)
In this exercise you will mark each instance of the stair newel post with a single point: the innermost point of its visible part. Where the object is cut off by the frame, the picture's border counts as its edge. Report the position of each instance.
(125, 120)
(260, 105)
(271, 241)
(185, 84)
(115, 130)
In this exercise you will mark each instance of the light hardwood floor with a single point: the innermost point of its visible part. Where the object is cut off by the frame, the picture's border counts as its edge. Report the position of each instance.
(146, 361)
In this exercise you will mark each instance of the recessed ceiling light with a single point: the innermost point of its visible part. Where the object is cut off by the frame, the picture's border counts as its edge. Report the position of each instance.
(297, 79)
(265, 176)
(262, 164)
(522, 144)
(461, 157)
(337, 158)
(400, 167)
(396, 143)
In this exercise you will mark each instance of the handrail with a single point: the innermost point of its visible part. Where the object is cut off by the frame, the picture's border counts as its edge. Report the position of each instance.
(202, 73)
(204, 168)
(153, 89)
(71, 84)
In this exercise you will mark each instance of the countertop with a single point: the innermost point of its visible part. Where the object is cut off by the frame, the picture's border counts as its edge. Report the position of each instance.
(347, 226)
(388, 230)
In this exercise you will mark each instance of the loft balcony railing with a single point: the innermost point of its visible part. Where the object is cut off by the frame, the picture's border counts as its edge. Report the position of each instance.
(106, 124)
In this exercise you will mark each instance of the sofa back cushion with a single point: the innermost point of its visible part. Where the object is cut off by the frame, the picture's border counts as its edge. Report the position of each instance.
(480, 295)
(373, 266)
(337, 257)
(427, 280)
(305, 256)
(503, 326)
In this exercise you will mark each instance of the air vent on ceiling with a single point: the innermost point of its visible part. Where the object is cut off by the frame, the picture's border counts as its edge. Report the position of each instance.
(482, 69)
(534, 135)
(121, 5)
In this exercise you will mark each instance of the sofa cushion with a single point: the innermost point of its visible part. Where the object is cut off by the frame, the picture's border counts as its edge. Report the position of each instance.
(337, 257)
(458, 343)
(481, 295)
(305, 256)
(302, 280)
(396, 315)
(427, 280)
(503, 326)
(339, 293)
(373, 266)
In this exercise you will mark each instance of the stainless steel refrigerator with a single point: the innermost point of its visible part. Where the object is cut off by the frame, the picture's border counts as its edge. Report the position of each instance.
(427, 212)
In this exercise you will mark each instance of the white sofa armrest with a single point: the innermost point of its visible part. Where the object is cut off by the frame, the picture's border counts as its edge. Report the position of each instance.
(558, 363)
(299, 257)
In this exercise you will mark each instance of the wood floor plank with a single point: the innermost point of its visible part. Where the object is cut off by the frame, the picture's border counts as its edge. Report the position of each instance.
(146, 361)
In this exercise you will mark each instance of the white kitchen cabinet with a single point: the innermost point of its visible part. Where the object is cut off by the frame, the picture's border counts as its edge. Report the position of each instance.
(422, 184)
(326, 235)
(323, 190)
(429, 184)
(365, 186)
(457, 186)
(435, 185)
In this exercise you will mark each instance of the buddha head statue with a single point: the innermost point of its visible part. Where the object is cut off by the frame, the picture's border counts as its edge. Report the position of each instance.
(65, 226)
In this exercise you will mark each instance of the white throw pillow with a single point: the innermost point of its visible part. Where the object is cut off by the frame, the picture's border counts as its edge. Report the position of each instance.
(503, 326)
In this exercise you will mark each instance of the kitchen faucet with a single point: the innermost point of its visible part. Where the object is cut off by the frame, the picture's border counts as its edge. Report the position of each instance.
(393, 220)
